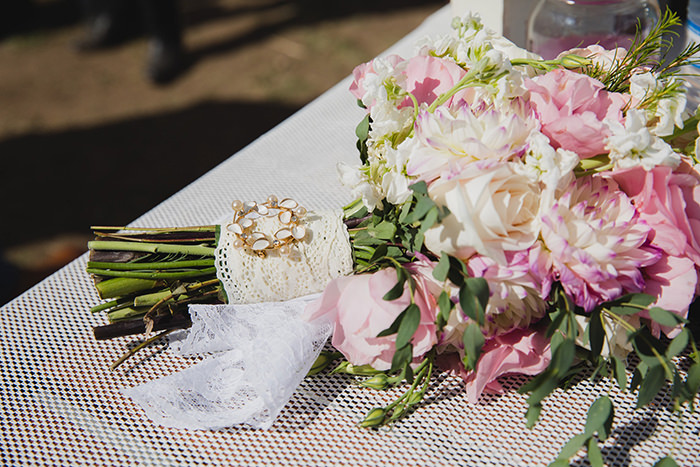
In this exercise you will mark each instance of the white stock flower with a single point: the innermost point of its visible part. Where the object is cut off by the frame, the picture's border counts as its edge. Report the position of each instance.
(493, 209)
(633, 144)
(360, 185)
(667, 112)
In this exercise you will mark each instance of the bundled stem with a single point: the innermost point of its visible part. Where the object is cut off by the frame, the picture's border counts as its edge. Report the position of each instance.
(150, 276)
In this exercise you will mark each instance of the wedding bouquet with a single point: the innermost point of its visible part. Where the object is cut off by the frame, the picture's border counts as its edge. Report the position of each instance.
(513, 215)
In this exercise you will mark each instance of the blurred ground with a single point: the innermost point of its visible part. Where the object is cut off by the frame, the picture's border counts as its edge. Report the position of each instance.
(86, 139)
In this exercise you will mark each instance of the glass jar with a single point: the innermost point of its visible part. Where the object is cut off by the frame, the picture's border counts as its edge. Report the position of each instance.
(558, 25)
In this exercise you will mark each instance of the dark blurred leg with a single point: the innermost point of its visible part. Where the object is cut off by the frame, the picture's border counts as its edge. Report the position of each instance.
(103, 18)
(163, 24)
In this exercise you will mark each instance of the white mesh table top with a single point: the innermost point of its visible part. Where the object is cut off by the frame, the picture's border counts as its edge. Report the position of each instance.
(61, 404)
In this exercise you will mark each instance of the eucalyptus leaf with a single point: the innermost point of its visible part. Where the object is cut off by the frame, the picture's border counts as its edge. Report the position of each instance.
(408, 325)
(402, 357)
(665, 317)
(563, 357)
(445, 305)
(600, 418)
(473, 340)
(423, 205)
(595, 457)
(532, 415)
(596, 333)
(443, 267)
(650, 385)
(571, 447)
(631, 304)
(420, 187)
(399, 288)
(384, 230)
(678, 344)
(666, 462)
(619, 371)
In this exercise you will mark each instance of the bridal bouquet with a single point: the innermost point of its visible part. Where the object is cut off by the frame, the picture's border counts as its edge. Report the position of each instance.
(513, 215)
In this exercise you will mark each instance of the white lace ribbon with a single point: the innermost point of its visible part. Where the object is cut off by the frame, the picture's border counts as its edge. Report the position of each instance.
(261, 354)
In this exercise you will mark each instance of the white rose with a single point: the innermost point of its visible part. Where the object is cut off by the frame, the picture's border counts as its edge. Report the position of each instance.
(493, 209)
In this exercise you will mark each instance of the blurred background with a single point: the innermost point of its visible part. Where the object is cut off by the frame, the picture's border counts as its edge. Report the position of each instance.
(88, 137)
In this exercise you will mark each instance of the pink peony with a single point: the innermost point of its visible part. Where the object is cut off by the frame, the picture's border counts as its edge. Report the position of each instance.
(597, 242)
(571, 107)
(522, 351)
(355, 305)
(669, 202)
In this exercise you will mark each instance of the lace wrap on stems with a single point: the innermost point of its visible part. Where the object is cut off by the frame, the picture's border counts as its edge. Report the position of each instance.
(322, 255)
(262, 346)
(263, 351)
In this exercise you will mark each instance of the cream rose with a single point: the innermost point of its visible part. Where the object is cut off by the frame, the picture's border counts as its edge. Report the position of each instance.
(493, 209)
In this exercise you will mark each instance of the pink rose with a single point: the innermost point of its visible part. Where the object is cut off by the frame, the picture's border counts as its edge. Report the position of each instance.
(669, 202)
(355, 305)
(429, 77)
(425, 77)
(522, 351)
(571, 107)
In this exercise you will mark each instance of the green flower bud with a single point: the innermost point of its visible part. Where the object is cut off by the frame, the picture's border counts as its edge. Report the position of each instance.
(323, 361)
(574, 61)
(378, 381)
(375, 417)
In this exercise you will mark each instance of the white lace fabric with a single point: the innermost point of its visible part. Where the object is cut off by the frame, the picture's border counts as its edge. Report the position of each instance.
(261, 353)
(322, 255)
(261, 345)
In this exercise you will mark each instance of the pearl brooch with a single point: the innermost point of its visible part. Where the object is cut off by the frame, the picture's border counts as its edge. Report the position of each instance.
(244, 224)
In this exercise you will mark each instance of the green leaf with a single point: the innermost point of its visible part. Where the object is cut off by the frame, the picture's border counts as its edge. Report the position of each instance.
(692, 381)
(595, 457)
(457, 271)
(473, 297)
(408, 326)
(557, 318)
(397, 290)
(420, 187)
(544, 389)
(678, 344)
(532, 415)
(423, 205)
(647, 347)
(385, 230)
(563, 357)
(600, 418)
(650, 385)
(362, 129)
(619, 371)
(665, 317)
(394, 328)
(631, 304)
(473, 340)
(402, 357)
(445, 305)
(443, 267)
(572, 447)
(666, 462)
(596, 333)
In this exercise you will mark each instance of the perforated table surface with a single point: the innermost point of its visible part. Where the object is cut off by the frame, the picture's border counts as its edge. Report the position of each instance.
(61, 404)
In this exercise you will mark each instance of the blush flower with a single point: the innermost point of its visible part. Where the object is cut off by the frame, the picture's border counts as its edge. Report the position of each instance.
(358, 312)
(448, 139)
(572, 108)
(669, 202)
(493, 209)
(597, 242)
(522, 351)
